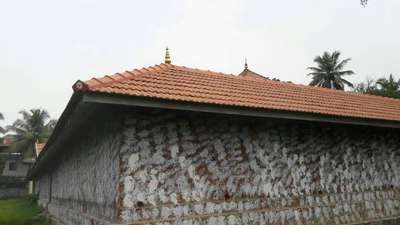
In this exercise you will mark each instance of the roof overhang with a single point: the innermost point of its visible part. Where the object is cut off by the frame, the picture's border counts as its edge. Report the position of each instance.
(231, 110)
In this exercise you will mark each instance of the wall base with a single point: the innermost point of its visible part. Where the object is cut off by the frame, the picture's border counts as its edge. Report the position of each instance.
(65, 216)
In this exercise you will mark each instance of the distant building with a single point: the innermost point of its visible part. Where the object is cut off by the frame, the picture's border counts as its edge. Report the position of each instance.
(38, 148)
(15, 165)
(15, 169)
(8, 140)
(5, 143)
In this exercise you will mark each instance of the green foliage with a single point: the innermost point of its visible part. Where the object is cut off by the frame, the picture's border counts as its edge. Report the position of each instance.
(329, 71)
(364, 2)
(387, 87)
(2, 130)
(35, 125)
(21, 212)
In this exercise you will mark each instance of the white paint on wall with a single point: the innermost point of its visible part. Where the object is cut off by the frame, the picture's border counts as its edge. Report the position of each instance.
(192, 168)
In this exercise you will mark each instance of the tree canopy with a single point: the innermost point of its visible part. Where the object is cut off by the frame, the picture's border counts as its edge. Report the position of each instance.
(387, 87)
(364, 2)
(329, 71)
(34, 126)
(2, 130)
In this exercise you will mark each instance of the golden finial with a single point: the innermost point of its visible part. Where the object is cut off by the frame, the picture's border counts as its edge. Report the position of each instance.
(245, 64)
(167, 57)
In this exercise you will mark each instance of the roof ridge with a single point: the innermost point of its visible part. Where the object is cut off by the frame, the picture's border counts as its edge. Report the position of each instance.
(205, 71)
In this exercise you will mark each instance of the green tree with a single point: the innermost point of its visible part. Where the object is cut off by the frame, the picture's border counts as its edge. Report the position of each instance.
(368, 87)
(364, 2)
(2, 130)
(330, 71)
(387, 87)
(35, 125)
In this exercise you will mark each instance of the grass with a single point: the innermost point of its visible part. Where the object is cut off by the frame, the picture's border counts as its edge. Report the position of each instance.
(22, 211)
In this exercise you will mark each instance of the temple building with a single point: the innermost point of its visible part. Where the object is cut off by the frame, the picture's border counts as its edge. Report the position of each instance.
(168, 144)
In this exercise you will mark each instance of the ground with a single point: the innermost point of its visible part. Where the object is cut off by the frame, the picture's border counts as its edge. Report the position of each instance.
(21, 212)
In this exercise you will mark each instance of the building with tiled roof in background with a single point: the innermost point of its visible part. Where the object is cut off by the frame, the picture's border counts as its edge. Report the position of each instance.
(169, 144)
(39, 147)
(15, 164)
(14, 168)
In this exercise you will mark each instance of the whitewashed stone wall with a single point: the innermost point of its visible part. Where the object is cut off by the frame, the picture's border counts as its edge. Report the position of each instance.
(195, 169)
(80, 187)
(43, 189)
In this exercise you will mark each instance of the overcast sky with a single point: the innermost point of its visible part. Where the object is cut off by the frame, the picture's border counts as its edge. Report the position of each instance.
(46, 45)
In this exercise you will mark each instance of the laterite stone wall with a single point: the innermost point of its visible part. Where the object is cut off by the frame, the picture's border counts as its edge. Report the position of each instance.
(164, 167)
(81, 185)
(193, 169)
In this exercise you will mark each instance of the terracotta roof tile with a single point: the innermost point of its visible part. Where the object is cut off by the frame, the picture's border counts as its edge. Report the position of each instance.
(249, 89)
(39, 147)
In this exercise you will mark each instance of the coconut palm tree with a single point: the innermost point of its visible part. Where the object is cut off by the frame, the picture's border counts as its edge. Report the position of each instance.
(34, 126)
(330, 71)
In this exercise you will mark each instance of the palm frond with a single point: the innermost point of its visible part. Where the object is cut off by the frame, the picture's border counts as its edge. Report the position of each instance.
(344, 73)
(342, 64)
(348, 83)
(17, 130)
(316, 74)
(329, 71)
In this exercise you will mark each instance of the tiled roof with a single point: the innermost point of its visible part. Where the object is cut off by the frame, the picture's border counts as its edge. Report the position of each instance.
(7, 141)
(171, 82)
(39, 147)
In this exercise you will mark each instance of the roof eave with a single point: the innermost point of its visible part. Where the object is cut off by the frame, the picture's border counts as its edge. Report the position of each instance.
(105, 98)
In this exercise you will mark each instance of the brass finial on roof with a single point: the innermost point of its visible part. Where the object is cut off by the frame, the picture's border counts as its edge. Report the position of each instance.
(245, 64)
(167, 56)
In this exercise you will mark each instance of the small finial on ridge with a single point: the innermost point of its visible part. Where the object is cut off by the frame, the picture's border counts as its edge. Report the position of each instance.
(245, 64)
(167, 56)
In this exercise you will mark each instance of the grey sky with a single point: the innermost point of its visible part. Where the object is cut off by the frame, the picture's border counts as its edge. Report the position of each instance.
(46, 45)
